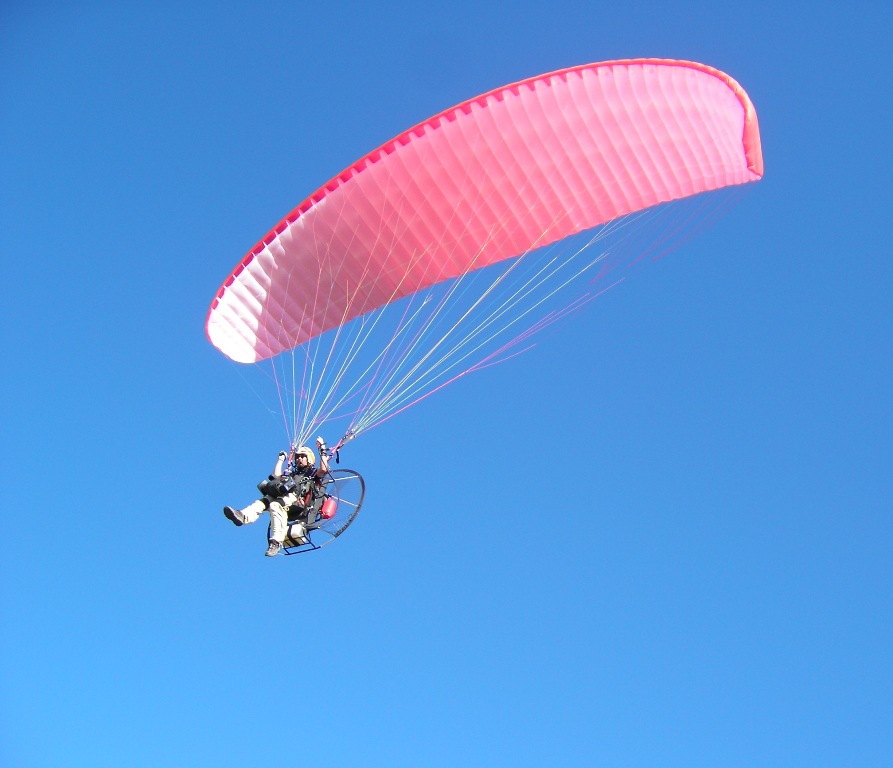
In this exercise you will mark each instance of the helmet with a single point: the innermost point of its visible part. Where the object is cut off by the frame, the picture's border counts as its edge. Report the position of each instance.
(311, 457)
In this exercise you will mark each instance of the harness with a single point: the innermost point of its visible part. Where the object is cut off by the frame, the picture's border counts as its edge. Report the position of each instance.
(305, 485)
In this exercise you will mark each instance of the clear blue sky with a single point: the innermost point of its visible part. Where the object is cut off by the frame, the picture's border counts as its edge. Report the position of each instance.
(712, 586)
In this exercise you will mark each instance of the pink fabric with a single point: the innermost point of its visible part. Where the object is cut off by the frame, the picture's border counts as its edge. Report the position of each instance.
(494, 177)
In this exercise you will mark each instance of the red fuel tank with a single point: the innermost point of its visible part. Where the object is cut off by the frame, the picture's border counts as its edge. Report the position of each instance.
(329, 508)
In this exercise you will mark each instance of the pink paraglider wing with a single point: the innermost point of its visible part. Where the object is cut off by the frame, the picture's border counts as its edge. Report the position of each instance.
(509, 171)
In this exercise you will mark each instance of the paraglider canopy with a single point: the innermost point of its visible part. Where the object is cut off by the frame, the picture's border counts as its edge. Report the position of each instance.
(496, 177)
(516, 168)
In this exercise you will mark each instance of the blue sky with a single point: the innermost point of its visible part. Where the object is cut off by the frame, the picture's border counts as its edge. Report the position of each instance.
(712, 582)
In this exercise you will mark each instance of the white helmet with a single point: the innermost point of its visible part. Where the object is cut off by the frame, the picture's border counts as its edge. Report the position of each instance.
(311, 457)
